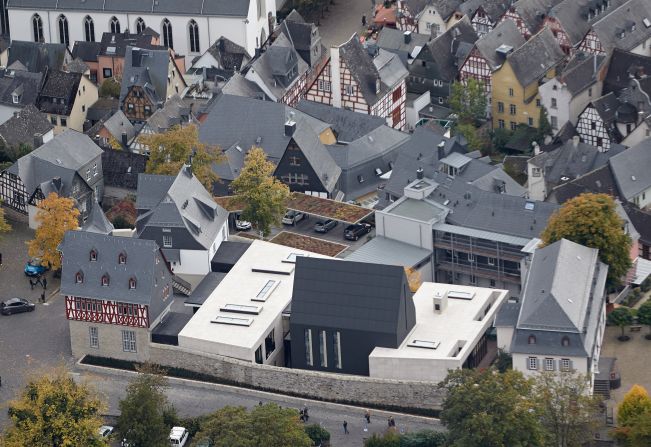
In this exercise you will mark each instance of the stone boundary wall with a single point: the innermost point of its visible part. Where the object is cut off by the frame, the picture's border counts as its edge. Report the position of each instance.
(342, 388)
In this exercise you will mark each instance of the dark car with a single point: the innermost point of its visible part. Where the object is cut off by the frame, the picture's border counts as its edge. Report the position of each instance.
(323, 226)
(354, 232)
(33, 267)
(16, 305)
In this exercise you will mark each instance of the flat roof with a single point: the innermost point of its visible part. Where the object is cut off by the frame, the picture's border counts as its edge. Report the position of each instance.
(245, 305)
(381, 250)
(416, 209)
(461, 324)
(205, 288)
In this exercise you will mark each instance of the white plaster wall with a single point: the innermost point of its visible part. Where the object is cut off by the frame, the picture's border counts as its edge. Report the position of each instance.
(644, 48)
(563, 97)
(641, 132)
(580, 364)
(193, 262)
(535, 185)
(430, 15)
(403, 229)
(581, 101)
(431, 370)
(413, 108)
(504, 337)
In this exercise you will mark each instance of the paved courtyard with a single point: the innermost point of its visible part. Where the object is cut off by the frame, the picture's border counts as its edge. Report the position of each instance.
(343, 19)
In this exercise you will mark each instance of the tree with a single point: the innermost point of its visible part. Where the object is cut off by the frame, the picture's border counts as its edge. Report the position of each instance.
(475, 137)
(169, 151)
(544, 128)
(269, 425)
(485, 408)
(263, 194)
(634, 417)
(621, 317)
(110, 88)
(144, 410)
(55, 411)
(4, 225)
(123, 213)
(644, 316)
(468, 101)
(591, 220)
(388, 439)
(317, 433)
(55, 216)
(566, 408)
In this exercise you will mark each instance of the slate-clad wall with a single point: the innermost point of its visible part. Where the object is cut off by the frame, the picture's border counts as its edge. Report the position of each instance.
(318, 385)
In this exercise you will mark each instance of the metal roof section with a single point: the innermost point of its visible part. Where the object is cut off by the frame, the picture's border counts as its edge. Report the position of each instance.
(381, 250)
(456, 160)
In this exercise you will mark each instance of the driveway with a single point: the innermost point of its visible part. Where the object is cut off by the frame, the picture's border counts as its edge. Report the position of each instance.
(29, 342)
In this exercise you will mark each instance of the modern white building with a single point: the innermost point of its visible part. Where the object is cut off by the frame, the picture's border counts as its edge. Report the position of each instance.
(188, 26)
(450, 333)
(560, 321)
(243, 317)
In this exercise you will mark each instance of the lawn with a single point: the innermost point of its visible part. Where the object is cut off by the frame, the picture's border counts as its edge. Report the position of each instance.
(308, 243)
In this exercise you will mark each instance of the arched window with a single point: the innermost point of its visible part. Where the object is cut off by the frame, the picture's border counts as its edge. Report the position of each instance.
(64, 37)
(140, 25)
(93, 255)
(532, 340)
(167, 34)
(132, 283)
(114, 24)
(79, 277)
(89, 29)
(193, 29)
(122, 258)
(105, 280)
(37, 28)
(565, 341)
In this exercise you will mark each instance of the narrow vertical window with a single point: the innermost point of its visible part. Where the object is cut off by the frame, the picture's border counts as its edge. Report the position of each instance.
(64, 36)
(323, 349)
(140, 25)
(89, 29)
(309, 360)
(336, 343)
(168, 41)
(114, 24)
(94, 337)
(193, 29)
(128, 341)
(37, 28)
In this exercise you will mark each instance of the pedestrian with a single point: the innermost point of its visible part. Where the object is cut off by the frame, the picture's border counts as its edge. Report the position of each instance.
(392, 422)
(389, 422)
(367, 415)
(345, 428)
(363, 19)
(42, 297)
(260, 403)
(44, 283)
(31, 284)
(301, 416)
(305, 415)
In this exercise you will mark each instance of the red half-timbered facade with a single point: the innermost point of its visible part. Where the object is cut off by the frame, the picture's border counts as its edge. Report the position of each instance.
(559, 34)
(591, 44)
(512, 14)
(106, 312)
(406, 18)
(476, 67)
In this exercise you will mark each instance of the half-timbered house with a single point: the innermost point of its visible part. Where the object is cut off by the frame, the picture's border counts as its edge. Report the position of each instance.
(489, 54)
(484, 14)
(150, 77)
(69, 165)
(116, 290)
(529, 15)
(354, 80)
(431, 17)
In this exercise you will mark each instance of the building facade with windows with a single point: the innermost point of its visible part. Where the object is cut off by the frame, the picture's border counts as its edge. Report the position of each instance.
(246, 316)
(560, 322)
(188, 27)
(116, 289)
(428, 17)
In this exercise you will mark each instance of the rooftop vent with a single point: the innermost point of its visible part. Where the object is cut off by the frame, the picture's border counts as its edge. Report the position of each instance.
(504, 49)
(647, 22)
(426, 344)
(440, 302)
(528, 205)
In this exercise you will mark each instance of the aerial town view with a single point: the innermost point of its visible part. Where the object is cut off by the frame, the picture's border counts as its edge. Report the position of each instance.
(325, 223)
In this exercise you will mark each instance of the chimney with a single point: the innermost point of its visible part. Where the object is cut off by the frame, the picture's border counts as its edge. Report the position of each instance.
(290, 127)
(441, 150)
(575, 141)
(419, 173)
(536, 148)
(38, 140)
(125, 142)
(440, 302)
(407, 36)
(378, 85)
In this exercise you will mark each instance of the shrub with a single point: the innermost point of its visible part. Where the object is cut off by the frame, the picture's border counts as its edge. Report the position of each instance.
(110, 88)
(317, 433)
(646, 284)
(423, 438)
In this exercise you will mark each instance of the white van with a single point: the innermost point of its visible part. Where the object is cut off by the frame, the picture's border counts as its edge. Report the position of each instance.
(178, 437)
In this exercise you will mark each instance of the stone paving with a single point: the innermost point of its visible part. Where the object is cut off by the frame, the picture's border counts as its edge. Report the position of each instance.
(343, 19)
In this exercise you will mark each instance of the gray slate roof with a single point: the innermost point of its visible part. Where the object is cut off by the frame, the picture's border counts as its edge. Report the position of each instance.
(381, 250)
(316, 154)
(362, 69)
(121, 168)
(185, 203)
(38, 57)
(205, 288)
(146, 68)
(175, 112)
(600, 180)
(238, 85)
(230, 55)
(577, 16)
(151, 276)
(59, 85)
(581, 72)
(115, 45)
(86, 51)
(494, 9)
(26, 84)
(622, 65)
(506, 33)
(444, 7)
(329, 293)
(631, 169)
(228, 8)
(563, 297)
(536, 57)
(97, 222)
(21, 128)
(393, 40)
(450, 49)
(533, 12)
(624, 28)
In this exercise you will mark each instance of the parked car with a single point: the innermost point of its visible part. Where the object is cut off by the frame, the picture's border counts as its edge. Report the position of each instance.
(178, 436)
(105, 431)
(15, 306)
(323, 226)
(242, 225)
(293, 217)
(33, 267)
(355, 231)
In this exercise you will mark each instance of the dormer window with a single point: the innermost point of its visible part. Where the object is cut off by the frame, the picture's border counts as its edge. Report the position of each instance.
(132, 283)
(122, 258)
(15, 98)
(79, 277)
(105, 280)
(565, 341)
(532, 340)
(93, 255)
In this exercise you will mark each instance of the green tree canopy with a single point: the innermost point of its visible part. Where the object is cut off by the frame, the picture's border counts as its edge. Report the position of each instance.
(634, 418)
(621, 317)
(264, 195)
(485, 408)
(169, 151)
(591, 220)
(4, 225)
(567, 409)
(267, 425)
(469, 101)
(110, 88)
(144, 410)
(55, 411)
(644, 314)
